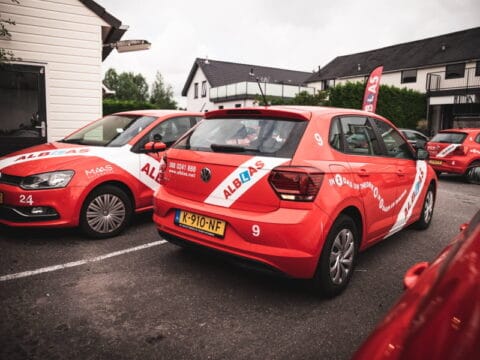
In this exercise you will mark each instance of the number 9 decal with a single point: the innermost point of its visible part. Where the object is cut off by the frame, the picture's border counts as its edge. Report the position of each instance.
(256, 230)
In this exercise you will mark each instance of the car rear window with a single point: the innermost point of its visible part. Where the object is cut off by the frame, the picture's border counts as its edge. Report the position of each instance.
(449, 137)
(259, 136)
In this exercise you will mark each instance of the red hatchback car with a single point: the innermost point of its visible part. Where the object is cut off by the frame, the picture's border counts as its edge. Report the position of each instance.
(96, 177)
(455, 151)
(438, 317)
(298, 190)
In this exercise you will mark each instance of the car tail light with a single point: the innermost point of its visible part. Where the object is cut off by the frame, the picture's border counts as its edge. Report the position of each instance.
(461, 150)
(296, 183)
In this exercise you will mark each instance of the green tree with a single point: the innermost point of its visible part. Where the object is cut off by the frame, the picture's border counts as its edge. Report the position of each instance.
(162, 94)
(6, 55)
(127, 85)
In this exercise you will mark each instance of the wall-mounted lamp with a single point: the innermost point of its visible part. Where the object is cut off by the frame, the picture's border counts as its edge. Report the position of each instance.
(129, 45)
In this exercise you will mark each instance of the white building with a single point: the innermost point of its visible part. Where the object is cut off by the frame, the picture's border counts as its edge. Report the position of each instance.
(446, 68)
(55, 85)
(214, 84)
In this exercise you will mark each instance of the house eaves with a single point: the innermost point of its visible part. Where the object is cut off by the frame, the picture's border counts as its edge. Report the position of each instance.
(449, 48)
(116, 30)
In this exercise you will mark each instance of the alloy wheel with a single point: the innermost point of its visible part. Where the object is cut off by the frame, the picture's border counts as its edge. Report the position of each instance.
(105, 213)
(341, 256)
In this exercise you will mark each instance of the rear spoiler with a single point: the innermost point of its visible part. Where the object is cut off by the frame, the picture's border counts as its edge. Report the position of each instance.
(293, 114)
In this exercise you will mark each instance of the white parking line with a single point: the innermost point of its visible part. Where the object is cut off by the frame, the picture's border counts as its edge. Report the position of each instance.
(80, 262)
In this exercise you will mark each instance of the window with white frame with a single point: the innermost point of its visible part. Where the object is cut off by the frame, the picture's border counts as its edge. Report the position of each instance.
(204, 88)
(195, 90)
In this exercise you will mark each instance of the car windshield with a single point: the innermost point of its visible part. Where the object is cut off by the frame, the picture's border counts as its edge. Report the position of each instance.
(267, 137)
(110, 131)
(449, 137)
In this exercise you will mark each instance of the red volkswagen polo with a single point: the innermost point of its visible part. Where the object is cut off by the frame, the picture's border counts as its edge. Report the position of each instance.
(298, 190)
(456, 151)
(96, 177)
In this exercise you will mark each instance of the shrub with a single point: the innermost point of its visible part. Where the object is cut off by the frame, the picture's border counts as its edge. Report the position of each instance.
(111, 106)
(404, 107)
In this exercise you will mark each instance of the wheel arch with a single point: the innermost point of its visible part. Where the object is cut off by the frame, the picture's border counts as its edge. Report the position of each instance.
(119, 184)
(355, 214)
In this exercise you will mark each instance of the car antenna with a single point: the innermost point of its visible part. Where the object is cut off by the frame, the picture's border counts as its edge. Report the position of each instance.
(251, 73)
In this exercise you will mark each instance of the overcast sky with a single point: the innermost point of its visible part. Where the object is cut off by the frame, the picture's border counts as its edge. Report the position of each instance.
(297, 35)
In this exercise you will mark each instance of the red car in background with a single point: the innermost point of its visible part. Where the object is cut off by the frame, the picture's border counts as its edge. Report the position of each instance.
(96, 177)
(438, 317)
(296, 190)
(455, 151)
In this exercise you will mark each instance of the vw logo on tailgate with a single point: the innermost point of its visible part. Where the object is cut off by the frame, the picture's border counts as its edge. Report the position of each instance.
(205, 174)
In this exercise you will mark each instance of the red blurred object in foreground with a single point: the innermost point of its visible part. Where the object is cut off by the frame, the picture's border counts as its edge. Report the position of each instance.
(438, 317)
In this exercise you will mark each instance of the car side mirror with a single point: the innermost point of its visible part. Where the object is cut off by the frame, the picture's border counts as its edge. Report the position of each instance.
(154, 146)
(422, 154)
(413, 274)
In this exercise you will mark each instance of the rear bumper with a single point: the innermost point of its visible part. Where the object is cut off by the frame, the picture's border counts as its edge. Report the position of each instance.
(288, 241)
(449, 165)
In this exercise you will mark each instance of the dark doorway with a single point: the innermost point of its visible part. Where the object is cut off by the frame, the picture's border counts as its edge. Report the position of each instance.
(23, 121)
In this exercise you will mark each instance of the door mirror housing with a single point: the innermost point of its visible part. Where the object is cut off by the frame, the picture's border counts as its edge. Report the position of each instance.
(154, 146)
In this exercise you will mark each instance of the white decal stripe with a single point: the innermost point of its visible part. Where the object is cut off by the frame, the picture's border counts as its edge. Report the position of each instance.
(217, 197)
(447, 150)
(121, 157)
(412, 198)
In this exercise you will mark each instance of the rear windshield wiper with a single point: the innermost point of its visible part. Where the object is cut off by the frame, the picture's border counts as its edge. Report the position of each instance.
(231, 148)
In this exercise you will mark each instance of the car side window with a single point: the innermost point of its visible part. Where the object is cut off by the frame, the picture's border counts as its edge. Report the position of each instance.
(410, 135)
(477, 140)
(395, 145)
(168, 131)
(354, 135)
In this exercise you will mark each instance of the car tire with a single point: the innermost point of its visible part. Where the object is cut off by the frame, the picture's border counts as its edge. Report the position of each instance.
(337, 260)
(472, 175)
(427, 210)
(106, 212)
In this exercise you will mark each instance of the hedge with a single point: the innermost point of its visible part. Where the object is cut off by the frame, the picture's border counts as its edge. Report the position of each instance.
(404, 107)
(111, 106)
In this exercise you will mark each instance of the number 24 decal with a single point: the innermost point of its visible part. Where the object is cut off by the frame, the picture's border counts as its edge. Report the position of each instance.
(26, 199)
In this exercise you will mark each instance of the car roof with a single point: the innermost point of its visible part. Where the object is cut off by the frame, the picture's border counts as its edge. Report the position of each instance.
(299, 112)
(461, 130)
(158, 112)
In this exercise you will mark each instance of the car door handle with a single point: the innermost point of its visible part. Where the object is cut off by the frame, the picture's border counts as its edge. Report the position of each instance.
(400, 173)
(363, 173)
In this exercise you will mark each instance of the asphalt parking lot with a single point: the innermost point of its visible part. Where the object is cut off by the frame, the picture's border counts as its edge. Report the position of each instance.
(136, 296)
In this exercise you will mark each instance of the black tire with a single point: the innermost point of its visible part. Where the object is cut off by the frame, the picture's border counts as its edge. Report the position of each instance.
(106, 212)
(472, 175)
(338, 257)
(427, 210)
